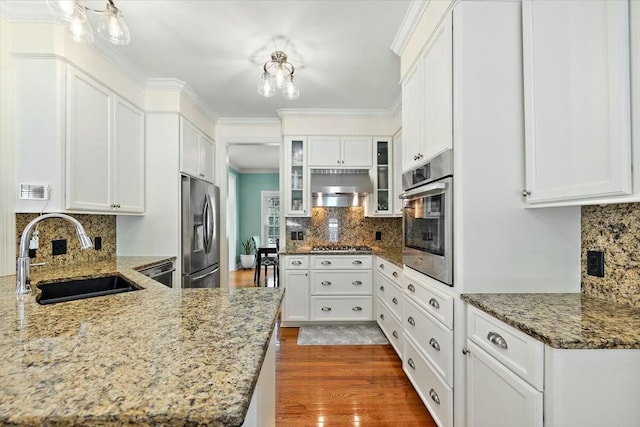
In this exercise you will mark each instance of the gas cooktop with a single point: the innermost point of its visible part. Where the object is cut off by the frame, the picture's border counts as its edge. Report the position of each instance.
(341, 248)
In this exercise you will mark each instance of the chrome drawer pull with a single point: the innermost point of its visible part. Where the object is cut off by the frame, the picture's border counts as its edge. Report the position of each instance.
(434, 303)
(395, 274)
(434, 396)
(325, 283)
(356, 262)
(411, 321)
(296, 262)
(381, 266)
(497, 340)
(411, 287)
(395, 334)
(356, 283)
(411, 363)
(381, 316)
(326, 309)
(357, 308)
(395, 300)
(435, 344)
(382, 288)
(326, 263)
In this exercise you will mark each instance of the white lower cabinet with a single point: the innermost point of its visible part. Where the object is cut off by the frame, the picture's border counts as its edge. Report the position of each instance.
(391, 326)
(295, 271)
(341, 308)
(389, 302)
(436, 394)
(496, 397)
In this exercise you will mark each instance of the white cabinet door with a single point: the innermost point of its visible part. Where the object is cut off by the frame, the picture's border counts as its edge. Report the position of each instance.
(496, 397)
(89, 132)
(577, 107)
(324, 151)
(396, 171)
(129, 164)
(296, 297)
(356, 151)
(189, 148)
(412, 117)
(296, 183)
(438, 91)
(206, 159)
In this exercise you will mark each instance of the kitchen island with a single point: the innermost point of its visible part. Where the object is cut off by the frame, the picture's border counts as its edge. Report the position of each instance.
(156, 356)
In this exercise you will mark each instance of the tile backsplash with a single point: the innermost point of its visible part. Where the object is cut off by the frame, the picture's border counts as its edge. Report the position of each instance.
(51, 229)
(614, 230)
(347, 226)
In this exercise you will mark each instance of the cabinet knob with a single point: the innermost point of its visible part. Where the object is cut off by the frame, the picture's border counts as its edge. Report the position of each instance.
(497, 340)
(338, 162)
(395, 274)
(357, 308)
(395, 334)
(296, 262)
(326, 263)
(434, 344)
(411, 321)
(343, 162)
(434, 303)
(526, 193)
(411, 287)
(326, 283)
(382, 288)
(465, 351)
(411, 363)
(381, 266)
(201, 174)
(381, 316)
(326, 309)
(357, 262)
(434, 396)
(356, 283)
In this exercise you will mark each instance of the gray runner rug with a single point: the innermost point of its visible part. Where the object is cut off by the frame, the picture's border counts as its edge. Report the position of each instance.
(341, 335)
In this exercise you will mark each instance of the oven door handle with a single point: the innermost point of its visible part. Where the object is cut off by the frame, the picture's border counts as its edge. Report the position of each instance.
(424, 190)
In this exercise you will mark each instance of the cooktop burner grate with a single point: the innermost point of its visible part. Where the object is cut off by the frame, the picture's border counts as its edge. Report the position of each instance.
(340, 248)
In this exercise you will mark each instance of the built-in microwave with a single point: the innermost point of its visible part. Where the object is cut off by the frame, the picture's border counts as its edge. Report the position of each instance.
(427, 218)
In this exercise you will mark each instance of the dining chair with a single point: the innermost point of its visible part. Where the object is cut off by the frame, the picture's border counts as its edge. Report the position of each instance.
(265, 258)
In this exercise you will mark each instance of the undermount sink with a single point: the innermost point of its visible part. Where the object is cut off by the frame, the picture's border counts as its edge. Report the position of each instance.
(83, 288)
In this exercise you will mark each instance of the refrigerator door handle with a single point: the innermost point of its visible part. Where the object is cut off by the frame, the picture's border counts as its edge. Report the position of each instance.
(211, 273)
(208, 230)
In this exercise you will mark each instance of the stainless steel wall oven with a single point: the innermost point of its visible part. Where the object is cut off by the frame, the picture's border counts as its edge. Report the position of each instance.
(427, 219)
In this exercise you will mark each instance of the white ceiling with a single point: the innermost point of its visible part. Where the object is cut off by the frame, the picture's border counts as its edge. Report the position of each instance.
(254, 157)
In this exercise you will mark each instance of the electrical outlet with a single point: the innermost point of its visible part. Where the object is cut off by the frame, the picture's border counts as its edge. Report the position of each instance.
(58, 247)
(595, 263)
(97, 243)
(378, 235)
(294, 235)
(300, 236)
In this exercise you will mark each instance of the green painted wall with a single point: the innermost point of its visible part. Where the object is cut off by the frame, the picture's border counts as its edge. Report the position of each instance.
(249, 187)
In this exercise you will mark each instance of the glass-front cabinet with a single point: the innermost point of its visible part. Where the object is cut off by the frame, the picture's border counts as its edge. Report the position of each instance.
(382, 203)
(296, 181)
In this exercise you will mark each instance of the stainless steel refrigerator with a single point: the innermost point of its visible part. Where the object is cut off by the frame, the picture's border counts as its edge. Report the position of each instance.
(200, 234)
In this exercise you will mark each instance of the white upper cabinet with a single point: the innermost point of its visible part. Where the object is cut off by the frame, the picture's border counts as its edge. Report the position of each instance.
(427, 101)
(196, 152)
(334, 151)
(577, 100)
(104, 149)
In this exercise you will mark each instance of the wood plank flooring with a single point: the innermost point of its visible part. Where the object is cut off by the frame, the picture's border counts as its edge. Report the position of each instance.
(328, 386)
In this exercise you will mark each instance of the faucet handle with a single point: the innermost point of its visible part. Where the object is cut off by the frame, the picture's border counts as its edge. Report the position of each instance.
(38, 264)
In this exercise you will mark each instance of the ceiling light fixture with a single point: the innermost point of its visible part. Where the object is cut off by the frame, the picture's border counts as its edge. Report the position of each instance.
(278, 74)
(73, 15)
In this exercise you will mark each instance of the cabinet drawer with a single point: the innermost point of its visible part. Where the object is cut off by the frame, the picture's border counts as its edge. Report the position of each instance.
(341, 282)
(342, 308)
(341, 262)
(390, 294)
(391, 327)
(432, 338)
(433, 391)
(516, 350)
(392, 271)
(435, 302)
(295, 262)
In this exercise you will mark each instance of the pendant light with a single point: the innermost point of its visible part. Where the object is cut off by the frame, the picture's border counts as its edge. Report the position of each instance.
(278, 74)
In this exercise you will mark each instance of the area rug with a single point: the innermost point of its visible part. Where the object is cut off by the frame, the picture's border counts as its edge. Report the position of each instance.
(341, 335)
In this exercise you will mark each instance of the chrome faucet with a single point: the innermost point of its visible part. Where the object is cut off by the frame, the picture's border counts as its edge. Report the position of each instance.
(23, 271)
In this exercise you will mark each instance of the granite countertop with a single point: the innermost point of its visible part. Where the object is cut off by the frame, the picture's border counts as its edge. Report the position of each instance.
(393, 255)
(565, 321)
(156, 356)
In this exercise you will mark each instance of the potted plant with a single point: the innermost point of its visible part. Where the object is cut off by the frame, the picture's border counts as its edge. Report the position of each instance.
(247, 258)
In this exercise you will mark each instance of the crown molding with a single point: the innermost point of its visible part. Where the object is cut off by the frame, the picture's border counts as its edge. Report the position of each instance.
(175, 85)
(354, 113)
(411, 18)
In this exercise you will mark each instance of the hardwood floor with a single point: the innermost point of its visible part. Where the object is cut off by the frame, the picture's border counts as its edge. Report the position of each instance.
(244, 278)
(328, 386)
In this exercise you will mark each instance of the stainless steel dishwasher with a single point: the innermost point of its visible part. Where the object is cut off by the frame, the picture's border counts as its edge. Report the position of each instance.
(162, 273)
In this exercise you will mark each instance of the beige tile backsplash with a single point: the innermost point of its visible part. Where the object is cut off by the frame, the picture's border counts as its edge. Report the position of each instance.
(615, 230)
(54, 229)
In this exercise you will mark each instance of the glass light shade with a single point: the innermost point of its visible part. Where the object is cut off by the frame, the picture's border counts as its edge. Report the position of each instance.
(267, 87)
(64, 10)
(113, 28)
(79, 29)
(280, 74)
(290, 90)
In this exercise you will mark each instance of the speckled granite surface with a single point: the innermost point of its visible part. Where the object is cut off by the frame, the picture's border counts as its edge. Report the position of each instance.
(157, 356)
(568, 321)
(614, 230)
(393, 255)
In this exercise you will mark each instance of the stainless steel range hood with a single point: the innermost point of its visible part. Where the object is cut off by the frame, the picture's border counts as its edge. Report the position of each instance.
(339, 187)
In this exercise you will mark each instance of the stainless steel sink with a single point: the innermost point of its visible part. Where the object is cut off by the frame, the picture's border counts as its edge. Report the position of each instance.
(83, 288)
